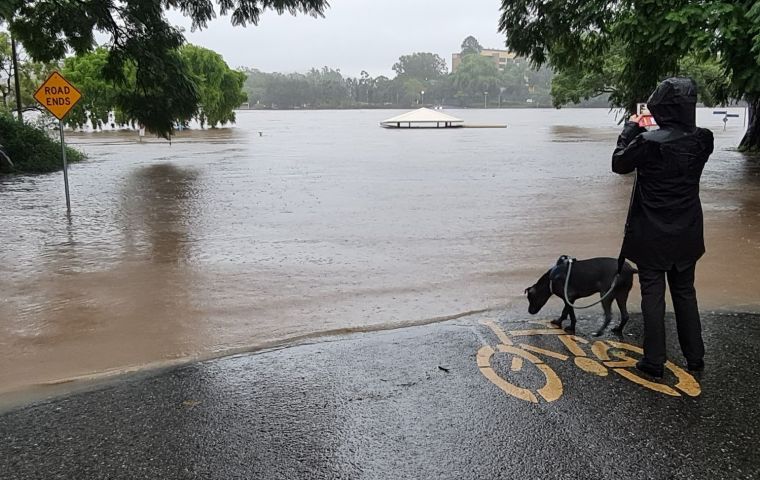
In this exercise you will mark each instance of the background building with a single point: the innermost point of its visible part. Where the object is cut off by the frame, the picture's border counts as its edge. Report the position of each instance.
(499, 57)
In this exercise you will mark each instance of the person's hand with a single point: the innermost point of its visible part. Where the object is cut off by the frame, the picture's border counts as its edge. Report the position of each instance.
(634, 118)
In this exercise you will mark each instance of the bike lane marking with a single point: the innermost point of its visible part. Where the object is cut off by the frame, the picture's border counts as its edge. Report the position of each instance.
(496, 329)
(550, 392)
(572, 346)
(686, 382)
(553, 389)
(542, 351)
(517, 364)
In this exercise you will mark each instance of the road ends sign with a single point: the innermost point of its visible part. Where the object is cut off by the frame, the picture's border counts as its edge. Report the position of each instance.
(57, 95)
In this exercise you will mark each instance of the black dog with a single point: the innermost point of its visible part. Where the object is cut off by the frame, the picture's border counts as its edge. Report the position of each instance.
(587, 277)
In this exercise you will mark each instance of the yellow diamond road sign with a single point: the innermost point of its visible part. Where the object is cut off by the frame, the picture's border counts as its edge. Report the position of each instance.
(57, 95)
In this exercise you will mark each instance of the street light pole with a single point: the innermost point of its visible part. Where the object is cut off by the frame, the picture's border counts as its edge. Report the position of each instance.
(485, 99)
(423, 97)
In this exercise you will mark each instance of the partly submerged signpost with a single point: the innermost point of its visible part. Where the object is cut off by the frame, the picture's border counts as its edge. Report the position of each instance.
(58, 96)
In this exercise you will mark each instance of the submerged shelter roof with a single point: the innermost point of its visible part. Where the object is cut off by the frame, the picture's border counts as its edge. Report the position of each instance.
(423, 117)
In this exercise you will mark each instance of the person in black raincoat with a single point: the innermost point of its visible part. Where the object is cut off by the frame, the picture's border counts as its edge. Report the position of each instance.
(664, 231)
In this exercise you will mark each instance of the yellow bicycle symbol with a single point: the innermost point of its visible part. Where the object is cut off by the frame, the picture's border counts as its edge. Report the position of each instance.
(610, 355)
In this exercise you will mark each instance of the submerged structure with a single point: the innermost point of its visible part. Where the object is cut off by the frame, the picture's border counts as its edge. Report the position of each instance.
(423, 118)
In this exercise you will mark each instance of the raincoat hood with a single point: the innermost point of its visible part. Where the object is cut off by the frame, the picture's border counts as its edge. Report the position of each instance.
(674, 104)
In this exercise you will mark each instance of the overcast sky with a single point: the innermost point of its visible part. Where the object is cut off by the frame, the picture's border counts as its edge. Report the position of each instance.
(355, 35)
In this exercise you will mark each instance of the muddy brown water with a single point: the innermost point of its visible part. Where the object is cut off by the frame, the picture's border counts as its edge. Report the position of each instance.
(230, 240)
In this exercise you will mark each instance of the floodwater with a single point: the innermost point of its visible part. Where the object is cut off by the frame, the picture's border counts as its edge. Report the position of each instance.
(230, 240)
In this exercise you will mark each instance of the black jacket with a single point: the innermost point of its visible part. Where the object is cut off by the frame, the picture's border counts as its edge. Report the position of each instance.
(665, 226)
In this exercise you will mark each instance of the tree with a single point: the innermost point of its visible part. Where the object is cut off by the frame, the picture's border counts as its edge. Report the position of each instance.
(220, 88)
(471, 46)
(385, 91)
(475, 76)
(729, 31)
(6, 68)
(139, 34)
(421, 66)
(650, 39)
(255, 85)
(327, 88)
(287, 91)
(99, 95)
(575, 85)
(31, 74)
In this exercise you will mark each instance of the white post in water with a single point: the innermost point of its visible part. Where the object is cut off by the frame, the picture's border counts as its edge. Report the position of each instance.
(65, 169)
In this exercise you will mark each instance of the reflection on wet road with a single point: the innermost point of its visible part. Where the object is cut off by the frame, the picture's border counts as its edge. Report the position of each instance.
(228, 240)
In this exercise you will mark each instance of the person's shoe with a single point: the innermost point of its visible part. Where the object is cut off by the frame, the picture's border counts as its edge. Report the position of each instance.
(649, 369)
(697, 366)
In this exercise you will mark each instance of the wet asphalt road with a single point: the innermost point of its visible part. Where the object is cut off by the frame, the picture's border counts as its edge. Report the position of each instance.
(409, 403)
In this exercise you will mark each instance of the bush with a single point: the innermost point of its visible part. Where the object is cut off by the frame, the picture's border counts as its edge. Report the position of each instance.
(30, 148)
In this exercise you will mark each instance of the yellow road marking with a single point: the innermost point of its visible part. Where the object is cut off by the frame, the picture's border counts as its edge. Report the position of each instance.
(658, 387)
(553, 389)
(686, 383)
(496, 329)
(627, 346)
(628, 363)
(521, 393)
(488, 372)
(599, 349)
(572, 346)
(541, 351)
(545, 323)
(547, 331)
(550, 392)
(484, 356)
(518, 351)
(517, 364)
(591, 366)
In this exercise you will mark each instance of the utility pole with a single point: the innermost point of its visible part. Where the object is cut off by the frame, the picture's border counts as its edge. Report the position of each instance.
(15, 77)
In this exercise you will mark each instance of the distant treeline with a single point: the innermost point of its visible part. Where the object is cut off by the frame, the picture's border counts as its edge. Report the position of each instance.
(478, 81)
(518, 85)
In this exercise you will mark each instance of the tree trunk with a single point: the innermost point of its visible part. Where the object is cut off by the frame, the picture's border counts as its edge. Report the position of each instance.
(15, 76)
(751, 140)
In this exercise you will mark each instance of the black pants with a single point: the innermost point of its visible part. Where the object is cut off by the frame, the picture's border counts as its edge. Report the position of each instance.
(684, 296)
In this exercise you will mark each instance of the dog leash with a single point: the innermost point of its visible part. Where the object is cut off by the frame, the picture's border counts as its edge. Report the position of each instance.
(569, 263)
(621, 259)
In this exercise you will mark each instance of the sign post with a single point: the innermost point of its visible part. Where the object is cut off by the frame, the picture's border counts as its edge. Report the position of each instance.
(58, 96)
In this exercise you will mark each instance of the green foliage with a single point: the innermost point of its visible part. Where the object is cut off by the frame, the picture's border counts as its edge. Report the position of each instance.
(140, 37)
(31, 74)
(318, 88)
(220, 88)
(476, 74)
(30, 148)
(470, 46)
(327, 88)
(648, 40)
(99, 95)
(423, 66)
(6, 69)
